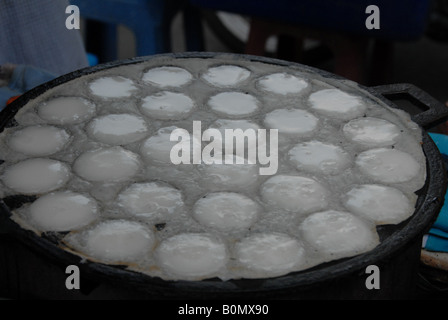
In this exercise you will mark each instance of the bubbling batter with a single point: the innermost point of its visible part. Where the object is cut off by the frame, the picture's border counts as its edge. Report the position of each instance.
(94, 156)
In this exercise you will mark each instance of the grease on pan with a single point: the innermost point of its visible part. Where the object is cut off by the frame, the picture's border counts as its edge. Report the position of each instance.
(63, 211)
(388, 165)
(282, 83)
(231, 172)
(38, 140)
(36, 175)
(319, 157)
(192, 255)
(234, 104)
(112, 87)
(150, 199)
(372, 132)
(270, 254)
(294, 193)
(158, 147)
(378, 203)
(294, 122)
(118, 241)
(107, 164)
(167, 105)
(226, 211)
(117, 129)
(338, 234)
(226, 75)
(337, 104)
(66, 110)
(167, 76)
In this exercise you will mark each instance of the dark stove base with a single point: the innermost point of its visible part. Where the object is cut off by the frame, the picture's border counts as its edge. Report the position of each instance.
(25, 275)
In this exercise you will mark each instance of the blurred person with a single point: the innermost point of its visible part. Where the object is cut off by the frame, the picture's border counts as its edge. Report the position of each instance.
(36, 46)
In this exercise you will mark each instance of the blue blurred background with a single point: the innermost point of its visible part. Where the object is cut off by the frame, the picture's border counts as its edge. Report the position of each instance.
(410, 46)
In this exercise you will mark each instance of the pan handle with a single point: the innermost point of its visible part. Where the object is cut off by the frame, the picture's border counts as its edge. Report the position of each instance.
(427, 111)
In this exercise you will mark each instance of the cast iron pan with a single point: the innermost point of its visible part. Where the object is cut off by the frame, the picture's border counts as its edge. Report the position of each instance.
(394, 239)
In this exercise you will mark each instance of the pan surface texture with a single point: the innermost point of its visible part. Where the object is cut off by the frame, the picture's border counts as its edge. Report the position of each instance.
(338, 178)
